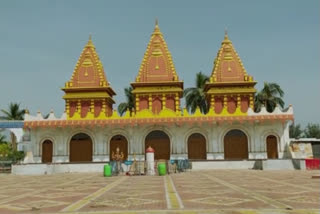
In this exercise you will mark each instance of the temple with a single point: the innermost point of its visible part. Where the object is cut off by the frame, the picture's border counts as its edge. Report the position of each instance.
(157, 85)
(88, 93)
(230, 89)
(90, 130)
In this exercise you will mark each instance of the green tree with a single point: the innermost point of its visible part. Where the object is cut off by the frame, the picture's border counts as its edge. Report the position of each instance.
(312, 131)
(195, 96)
(5, 150)
(13, 113)
(295, 131)
(129, 105)
(270, 96)
(2, 138)
(8, 154)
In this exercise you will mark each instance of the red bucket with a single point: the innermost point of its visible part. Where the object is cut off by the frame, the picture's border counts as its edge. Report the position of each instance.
(313, 163)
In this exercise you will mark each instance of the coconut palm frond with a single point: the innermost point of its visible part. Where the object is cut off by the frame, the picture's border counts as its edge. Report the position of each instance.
(195, 96)
(270, 96)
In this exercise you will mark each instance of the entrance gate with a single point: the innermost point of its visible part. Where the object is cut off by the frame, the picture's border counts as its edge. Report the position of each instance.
(47, 150)
(272, 147)
(81, 148)
(197, 147)
(235, 145)
(160, 142)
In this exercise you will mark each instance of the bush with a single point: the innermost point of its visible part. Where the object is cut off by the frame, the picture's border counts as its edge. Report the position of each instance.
(4, 151)
(16, 156)
(7, 153)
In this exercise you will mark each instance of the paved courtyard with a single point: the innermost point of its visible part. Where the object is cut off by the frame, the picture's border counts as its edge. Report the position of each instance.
(215, 191)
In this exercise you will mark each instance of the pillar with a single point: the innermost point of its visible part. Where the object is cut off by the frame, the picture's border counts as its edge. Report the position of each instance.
(251, 102)
(78, 107)
(225, 101)
(163, 101)
(92, 106)
(104, 107)
(150, 102)
(68, 107)
(137, 103)
(239, 101)
(212, 103)
(177, 103)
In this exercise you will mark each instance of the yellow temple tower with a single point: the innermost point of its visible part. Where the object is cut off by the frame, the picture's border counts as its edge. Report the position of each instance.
(88, 94)
(230, 89)
(157, 85)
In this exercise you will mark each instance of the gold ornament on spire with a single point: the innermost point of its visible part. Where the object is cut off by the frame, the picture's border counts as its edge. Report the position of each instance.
(226, 38)
(90, 43)
(156, 28)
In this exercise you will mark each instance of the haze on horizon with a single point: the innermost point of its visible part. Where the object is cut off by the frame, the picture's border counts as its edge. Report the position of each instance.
(41, 41)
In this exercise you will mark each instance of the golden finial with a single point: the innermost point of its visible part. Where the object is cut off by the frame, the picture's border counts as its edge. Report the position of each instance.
(156, 28)
(226, 38)
(89, 43)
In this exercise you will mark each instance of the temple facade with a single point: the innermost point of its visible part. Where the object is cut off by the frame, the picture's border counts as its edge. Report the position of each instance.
(90, 129)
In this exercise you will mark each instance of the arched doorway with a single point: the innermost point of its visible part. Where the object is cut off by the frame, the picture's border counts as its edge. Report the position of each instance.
(121, 142)
(272, 147)
(81, 148)
(197, 147)
(160, 142)
(235, 145)
(47, 150)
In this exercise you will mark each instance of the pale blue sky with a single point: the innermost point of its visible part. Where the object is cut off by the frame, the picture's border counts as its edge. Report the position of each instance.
(40, 42)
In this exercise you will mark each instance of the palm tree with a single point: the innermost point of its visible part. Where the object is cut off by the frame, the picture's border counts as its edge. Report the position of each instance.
(312, 131)
(129, 105)
(13, 113)
(195, 96)
(295, 131)
(270, 96)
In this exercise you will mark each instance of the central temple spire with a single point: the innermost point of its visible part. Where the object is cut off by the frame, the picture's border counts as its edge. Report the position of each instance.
(157, 64)
(157, 84)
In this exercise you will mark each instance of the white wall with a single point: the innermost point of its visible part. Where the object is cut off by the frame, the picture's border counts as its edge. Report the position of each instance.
(214, 133)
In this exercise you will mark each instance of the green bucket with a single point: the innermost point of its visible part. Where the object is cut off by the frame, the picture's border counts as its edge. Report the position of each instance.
(162, 169)
(107, 170)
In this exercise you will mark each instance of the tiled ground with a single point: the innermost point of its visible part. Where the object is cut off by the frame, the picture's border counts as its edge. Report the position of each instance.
(216, 191)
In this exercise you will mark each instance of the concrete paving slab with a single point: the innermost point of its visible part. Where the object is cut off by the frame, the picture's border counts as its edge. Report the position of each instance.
(210, 191)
